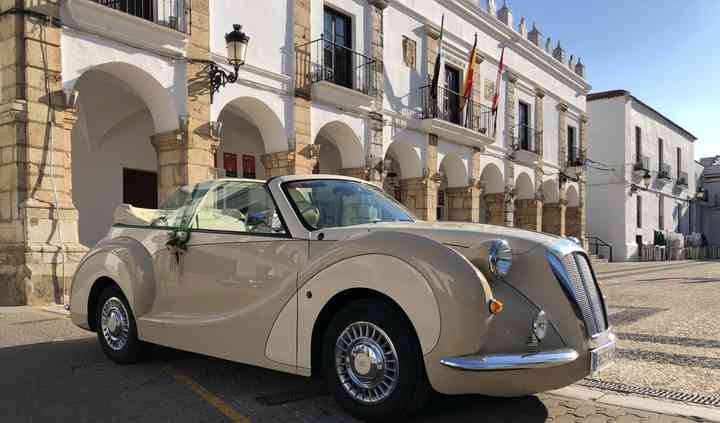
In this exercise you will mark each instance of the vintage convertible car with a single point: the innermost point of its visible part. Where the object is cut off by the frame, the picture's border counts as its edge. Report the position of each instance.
(328, 275)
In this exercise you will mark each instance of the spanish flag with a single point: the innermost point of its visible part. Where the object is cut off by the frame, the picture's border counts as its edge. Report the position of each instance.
(467, 91)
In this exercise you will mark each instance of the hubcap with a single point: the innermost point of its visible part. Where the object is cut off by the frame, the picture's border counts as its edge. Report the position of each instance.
(366, 363)
(114, 323)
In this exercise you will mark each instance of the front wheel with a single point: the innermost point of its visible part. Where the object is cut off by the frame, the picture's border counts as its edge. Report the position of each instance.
(372, 362)
(116, 328)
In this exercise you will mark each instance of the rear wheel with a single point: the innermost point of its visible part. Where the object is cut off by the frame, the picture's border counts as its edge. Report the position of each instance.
(372, 362)
(116, 328)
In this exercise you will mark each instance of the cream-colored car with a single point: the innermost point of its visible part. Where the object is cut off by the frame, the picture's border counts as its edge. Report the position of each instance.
(328, 275)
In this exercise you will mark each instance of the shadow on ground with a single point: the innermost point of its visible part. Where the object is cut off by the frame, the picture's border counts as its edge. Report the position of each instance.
(73, 381)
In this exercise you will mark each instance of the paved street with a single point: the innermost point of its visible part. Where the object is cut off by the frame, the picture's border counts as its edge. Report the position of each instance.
(52, 371)
(666, 317)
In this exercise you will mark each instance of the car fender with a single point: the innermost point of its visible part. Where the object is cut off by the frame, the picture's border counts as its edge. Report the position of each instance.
(126, 262)
(438, 289)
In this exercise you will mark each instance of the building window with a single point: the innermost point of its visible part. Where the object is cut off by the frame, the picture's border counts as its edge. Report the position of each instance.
(337, 49)
(409, 51)
(524, 126)
(230, 165)
(452, 95)
(248, 166)
(638, 144)
(572, 145)
(661, 212)
(638, 217)
(660, 154)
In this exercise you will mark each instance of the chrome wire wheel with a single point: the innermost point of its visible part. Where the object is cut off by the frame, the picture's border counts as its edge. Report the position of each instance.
(366, 363)
(115, 323)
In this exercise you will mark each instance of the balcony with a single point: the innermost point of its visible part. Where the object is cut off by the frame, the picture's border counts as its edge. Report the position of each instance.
(453, 116)
(664, 172)
(573, 157)
(154, 25)
(683, 179)
(336, 74)
(168, 13)
(642, 164)
(525, 146)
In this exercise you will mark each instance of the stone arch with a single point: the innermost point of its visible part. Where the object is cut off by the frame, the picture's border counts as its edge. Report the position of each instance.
(113, 159)
(262, 116)
(347, 143)
(145, 86)
(552, 210)
(551, 192)
(492, 179)
(407, 158)
(454, 171)
(528, 210)
(492, 200)
(524, 187)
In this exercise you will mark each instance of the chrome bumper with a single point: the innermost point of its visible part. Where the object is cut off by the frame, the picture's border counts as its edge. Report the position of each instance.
(535, 360)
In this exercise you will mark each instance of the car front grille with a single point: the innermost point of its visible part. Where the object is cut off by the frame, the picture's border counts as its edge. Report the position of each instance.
(584, 289)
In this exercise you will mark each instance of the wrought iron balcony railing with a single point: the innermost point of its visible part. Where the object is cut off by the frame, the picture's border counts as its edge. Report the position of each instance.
(324, 60)
(682, 179)
(665, 172)
(643, 164)
(168, 13)
(448, 106)
(574, 157)
(526, 139)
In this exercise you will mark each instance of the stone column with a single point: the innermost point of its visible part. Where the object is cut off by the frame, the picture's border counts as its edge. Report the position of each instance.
(171, 162)
(572, 222)
(539, 122)
(582, 184)
(375, 149)
(510, 117)
(39, 244)
(562, 134)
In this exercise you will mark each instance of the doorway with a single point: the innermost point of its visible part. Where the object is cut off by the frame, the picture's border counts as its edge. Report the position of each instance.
(140, 188)
(337, 49)
(452, 94)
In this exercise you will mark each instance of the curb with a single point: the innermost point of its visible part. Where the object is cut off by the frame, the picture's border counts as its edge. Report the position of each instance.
(639, 403)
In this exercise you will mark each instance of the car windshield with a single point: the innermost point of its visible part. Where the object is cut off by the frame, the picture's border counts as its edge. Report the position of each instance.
(180, 205)
(328, 203)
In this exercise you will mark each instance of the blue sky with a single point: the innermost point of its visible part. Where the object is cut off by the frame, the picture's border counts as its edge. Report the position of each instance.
(667, 53)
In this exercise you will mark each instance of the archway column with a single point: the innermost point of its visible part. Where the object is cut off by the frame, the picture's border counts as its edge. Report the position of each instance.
(39, 242)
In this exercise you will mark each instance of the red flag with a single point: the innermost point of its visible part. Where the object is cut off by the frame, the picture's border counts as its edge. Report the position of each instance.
(496, 97)
(469, 76)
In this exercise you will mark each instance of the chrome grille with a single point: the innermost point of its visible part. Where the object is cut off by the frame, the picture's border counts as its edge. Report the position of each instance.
(585, 290)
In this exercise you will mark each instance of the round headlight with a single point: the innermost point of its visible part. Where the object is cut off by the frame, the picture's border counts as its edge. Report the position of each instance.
(500, 257)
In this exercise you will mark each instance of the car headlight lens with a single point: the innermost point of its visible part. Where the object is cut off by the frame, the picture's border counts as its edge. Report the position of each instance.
(500, 257)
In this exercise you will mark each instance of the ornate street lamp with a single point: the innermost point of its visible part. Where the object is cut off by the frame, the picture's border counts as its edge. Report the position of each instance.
(237, 43)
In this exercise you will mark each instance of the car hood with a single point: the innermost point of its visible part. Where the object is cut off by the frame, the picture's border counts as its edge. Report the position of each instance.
(456, 234)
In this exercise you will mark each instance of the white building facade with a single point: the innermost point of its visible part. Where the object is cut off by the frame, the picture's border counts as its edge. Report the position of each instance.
(707, 209)
(631, 145)
(330, 86)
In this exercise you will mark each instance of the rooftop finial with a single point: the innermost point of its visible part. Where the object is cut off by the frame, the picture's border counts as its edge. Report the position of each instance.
(535, 36)
(559, 53)
(505, 15)
(548, 45)
(523, 28)
(580, 68)
(491, 7)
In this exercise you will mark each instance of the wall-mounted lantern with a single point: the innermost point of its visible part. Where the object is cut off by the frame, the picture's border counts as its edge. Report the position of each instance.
(236, 44)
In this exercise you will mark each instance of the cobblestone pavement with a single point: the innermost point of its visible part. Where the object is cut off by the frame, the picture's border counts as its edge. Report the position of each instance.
(51, 371)
(666, 317)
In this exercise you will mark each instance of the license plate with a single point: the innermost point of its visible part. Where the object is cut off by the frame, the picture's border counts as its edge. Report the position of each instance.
(602, 357)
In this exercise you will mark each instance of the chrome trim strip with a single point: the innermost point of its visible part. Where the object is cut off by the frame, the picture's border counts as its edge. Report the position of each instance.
(564, 247)
(535, 360)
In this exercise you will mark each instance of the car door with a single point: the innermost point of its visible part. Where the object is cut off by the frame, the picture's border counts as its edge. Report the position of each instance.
(237, 274)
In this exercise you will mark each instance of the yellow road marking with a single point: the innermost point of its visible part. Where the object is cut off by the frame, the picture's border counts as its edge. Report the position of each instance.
(211, 399)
